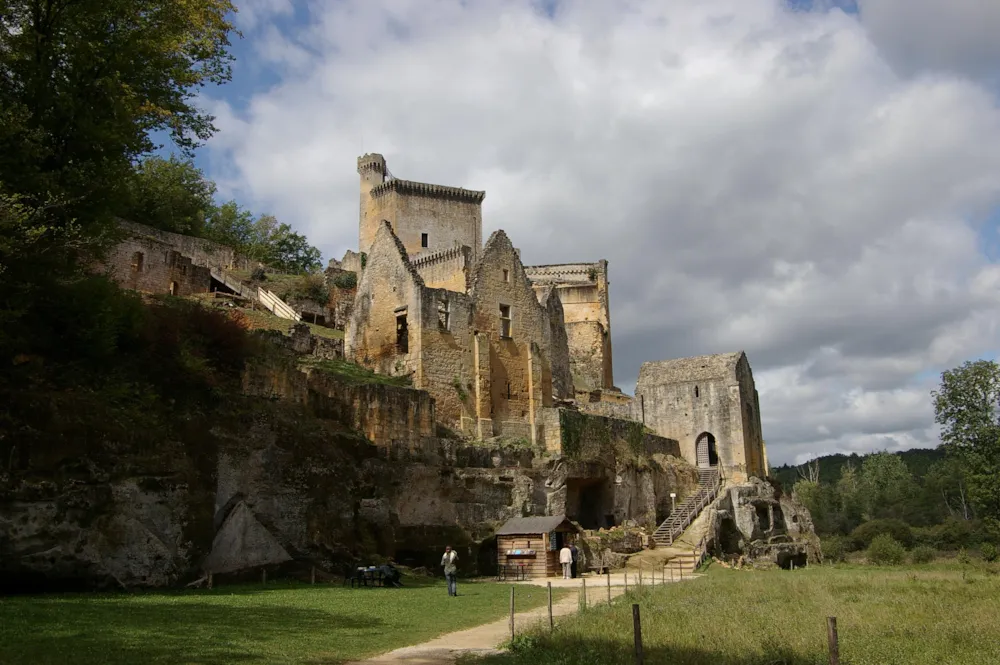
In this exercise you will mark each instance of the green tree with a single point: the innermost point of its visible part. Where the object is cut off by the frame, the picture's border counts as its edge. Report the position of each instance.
(232, 224)
(966, 406)
(169, 194)
(84, 82)
(886, 485)
(264, 239)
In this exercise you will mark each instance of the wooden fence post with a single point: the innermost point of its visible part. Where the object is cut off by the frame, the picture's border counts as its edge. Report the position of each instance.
(609, 586)
(312, 576)
(831, 636)
(625, 576)
(512, 612)
(210, 580)
(551, 623)
(637, 632)
(584, 581)
(263, 576)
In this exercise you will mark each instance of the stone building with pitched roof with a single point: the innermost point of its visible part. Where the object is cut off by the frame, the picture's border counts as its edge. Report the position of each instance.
(709, 404)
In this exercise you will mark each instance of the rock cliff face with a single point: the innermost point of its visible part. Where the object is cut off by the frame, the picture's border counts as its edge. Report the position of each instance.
(759, 523)
(267, 482)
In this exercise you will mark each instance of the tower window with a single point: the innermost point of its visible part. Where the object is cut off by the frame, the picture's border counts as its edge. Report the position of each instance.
(506, 275)
(505, 322)
(137, 262)
(423, 239)
(696, 392)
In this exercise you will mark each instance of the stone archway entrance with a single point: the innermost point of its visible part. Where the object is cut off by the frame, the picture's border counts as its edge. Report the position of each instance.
(705, 451)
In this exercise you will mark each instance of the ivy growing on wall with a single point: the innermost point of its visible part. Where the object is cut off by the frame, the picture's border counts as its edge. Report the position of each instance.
(588, 437)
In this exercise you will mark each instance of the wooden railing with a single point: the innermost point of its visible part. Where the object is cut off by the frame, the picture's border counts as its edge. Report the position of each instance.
(278, 306)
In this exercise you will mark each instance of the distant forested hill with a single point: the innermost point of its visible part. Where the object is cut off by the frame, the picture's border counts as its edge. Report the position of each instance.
(917, 460)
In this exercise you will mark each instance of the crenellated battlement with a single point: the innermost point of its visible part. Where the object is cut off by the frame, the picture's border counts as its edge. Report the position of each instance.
(441, 257)
(428, 190)
(566, 272)
(371, 162)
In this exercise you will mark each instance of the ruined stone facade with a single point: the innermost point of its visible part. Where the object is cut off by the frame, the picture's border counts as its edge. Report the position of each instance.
(710, 405)
(492, 340)
(484, 354)
(582, 288)
(144, 263)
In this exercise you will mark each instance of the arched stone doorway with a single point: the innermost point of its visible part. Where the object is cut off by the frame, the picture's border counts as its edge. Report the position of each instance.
(705, 451)
(174, 288)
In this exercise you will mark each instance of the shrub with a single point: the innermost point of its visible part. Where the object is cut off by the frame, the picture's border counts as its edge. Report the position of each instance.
(259, 274)
(989, 552)
(885, 551)
(923, 554)
(346, 280)
(309, 287)
(834, 548)
(865, 534)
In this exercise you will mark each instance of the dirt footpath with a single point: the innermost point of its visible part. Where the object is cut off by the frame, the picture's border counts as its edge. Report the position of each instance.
(484, 639)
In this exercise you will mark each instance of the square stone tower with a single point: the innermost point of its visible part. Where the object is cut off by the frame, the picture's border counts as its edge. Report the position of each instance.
(710, 405)
(428, 219)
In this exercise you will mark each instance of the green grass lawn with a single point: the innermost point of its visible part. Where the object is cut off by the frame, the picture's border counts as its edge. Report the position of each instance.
(261, 318)
(919, 615)
(282, 623)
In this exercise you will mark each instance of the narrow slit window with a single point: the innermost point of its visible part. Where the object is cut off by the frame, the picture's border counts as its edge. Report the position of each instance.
(444, 315)
(696, 392)
(505, 330)
(423, 240)
(506, 275)
(402, 334)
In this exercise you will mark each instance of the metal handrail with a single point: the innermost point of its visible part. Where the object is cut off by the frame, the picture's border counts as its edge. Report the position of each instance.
(674, 530)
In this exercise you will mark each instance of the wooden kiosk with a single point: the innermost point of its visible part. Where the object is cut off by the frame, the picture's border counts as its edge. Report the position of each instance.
(529, 546)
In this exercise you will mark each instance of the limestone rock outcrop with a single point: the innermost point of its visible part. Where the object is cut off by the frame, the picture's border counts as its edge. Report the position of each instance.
(758, 523)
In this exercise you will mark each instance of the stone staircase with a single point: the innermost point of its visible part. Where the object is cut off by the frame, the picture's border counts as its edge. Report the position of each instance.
(271, 302)
(709, 484)
(683, 536)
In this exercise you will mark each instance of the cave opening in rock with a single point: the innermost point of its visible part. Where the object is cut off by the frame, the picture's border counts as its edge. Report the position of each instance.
(585, 502)
(763, 517)
(786, 559)
(779, 520)
(729, 536)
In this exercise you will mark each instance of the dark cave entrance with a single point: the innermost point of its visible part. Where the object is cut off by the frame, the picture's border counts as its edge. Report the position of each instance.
(585, 502)
(787, 559)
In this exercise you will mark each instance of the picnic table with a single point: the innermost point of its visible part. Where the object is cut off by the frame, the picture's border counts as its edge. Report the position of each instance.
(514, 571)
(366, 576)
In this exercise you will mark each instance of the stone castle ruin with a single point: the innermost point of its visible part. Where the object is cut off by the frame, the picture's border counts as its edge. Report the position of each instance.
(512, 413)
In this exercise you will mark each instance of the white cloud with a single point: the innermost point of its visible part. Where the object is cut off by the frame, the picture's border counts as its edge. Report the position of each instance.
(759, 179)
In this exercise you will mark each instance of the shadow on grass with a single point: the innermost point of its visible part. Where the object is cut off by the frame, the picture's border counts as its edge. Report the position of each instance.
(558, 650)
(83, 630)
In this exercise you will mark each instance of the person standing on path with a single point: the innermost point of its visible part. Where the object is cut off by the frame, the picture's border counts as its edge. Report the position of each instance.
(450, 569)
(566, 559)
(576, 557)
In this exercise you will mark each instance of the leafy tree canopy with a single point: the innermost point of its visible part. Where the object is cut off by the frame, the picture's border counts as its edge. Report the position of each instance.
(84, 82)
(169, 194)
(967, 406)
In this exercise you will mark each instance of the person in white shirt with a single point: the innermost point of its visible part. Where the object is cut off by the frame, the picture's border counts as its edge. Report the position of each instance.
(450, 569)
(566, 559)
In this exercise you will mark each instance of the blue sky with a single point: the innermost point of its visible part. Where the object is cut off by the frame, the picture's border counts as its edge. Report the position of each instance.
(816, 187)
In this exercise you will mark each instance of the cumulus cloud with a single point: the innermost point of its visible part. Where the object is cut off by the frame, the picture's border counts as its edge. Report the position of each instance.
(956, 36)
(759, 179)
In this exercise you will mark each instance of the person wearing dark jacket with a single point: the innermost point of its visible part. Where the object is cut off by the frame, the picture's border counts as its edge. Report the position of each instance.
(576, 555)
